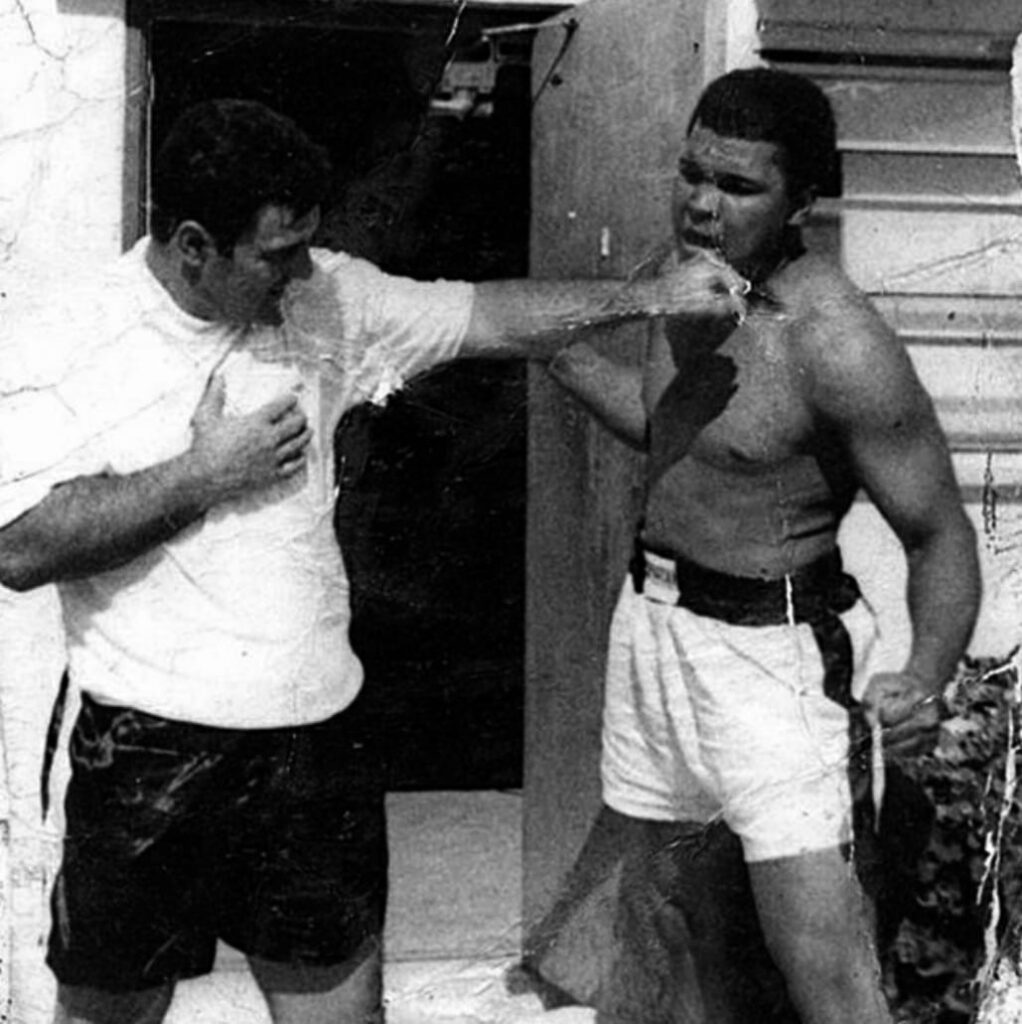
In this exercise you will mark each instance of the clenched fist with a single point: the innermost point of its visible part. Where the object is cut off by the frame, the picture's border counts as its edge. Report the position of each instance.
(704, 286)
(907, 709)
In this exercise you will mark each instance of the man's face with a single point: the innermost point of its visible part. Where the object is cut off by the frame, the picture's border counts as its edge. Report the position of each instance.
(246, 286)
(731, 197)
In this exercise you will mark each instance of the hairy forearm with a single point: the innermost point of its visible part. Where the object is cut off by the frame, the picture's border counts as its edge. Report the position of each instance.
(943, 599)
(92, 524)
(95, 523)
(612, 393)
(536, 318)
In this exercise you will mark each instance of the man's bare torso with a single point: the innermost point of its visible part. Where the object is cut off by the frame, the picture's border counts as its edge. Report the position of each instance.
(743, 478)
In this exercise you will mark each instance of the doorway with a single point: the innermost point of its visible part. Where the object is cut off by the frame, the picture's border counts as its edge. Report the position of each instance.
(427, 120)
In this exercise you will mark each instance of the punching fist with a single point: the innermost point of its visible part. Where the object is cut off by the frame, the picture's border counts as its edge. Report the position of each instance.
(704, 286)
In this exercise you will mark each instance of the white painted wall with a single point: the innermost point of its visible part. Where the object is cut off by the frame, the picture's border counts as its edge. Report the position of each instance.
(61, 115)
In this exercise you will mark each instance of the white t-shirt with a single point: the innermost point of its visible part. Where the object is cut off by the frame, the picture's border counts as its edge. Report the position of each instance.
(241, 619)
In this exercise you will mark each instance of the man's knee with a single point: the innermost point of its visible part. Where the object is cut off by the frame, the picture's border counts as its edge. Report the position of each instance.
(350, 992)
(833, 962)
(79, 1004)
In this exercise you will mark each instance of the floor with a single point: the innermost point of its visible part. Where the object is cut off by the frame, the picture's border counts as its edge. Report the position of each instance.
(453, 927)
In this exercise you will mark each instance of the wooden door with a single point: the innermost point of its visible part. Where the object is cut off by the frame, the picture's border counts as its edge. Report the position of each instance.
(613, 83)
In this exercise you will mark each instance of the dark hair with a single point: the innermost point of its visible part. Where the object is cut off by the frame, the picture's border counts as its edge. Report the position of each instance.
(224, 160)
(767, 105)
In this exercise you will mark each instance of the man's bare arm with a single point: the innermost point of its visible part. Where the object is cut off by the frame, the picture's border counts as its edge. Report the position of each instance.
(608, 390)
(92, 524)
(534, 319)
(866, 386)
(620, 395)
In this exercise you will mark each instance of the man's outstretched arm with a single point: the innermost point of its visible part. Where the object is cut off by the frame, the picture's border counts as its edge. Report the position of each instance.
(866, 386)
(534, 318)
(95, 523)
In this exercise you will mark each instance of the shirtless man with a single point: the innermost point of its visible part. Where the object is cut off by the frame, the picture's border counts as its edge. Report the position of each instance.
(740, 683)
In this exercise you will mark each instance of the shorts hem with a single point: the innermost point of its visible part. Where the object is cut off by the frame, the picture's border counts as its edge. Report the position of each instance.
(72, 978)
(651, 812)
(371, 940)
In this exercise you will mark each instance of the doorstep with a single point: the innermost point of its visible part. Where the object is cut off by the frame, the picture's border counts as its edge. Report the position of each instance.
(453, 928)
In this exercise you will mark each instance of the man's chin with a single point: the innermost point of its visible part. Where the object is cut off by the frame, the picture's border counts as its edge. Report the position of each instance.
(689, 248)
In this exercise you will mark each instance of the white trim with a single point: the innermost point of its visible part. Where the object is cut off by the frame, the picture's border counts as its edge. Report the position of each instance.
(1016, 98)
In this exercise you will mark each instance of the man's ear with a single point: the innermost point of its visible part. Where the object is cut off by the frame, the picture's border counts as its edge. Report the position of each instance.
(193, 243)
(801, 206)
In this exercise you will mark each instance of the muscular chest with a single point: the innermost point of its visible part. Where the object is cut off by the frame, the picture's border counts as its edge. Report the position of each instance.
(740, 405)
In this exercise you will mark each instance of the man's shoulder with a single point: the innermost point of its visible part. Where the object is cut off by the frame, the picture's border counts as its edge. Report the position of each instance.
(815, 285)
(337, 262)
(830, 317)
(851, 363)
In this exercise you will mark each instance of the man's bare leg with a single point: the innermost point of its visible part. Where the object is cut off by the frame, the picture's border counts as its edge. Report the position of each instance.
(817, 927)
(348, 993)
(77, 1004)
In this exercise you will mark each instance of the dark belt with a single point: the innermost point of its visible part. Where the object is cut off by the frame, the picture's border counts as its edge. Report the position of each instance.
(816, 591)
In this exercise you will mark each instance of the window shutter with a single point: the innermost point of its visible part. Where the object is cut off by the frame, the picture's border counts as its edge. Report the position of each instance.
(928, 223)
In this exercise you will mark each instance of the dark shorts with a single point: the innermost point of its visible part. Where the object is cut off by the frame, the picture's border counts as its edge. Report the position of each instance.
(273, 840)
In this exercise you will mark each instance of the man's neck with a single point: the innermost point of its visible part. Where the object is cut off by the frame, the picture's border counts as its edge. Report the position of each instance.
(171, 277)
(791, 248)
(764, 278)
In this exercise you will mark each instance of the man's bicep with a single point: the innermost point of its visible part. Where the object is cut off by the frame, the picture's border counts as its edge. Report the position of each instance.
(900, 453)
(909, 477)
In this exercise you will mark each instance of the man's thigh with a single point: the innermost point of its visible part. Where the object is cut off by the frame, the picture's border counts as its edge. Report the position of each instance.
(687, 914)
(274, 841)
(301, 877)
(819, 928)
(814, 896)
(126, 910)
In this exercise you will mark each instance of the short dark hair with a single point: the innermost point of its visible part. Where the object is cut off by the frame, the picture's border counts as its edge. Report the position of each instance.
(768, 105)
(224, 160)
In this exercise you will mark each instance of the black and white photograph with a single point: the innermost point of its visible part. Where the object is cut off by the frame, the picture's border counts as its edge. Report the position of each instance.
(510, 512)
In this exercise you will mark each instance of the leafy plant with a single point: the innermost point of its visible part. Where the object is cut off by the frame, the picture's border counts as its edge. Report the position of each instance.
(968, 880)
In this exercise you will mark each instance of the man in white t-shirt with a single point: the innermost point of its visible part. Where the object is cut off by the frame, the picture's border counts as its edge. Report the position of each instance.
(165, 459)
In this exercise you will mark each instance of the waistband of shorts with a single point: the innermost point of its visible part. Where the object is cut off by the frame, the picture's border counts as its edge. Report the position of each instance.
(818, 590)
(127, 724)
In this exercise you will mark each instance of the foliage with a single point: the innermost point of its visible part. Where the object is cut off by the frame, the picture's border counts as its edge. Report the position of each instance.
(968, 880)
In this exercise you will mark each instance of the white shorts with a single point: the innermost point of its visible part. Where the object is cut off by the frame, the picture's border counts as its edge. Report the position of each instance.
(703, 719)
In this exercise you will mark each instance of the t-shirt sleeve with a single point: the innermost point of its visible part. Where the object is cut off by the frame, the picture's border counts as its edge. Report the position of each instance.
(396, 327)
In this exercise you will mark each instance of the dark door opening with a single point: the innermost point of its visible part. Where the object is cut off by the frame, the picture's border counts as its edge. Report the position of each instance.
(432, 514)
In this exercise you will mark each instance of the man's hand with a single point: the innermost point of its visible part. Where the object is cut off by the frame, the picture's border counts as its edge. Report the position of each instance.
(233, 455)
(703, 286)
(907, 709)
